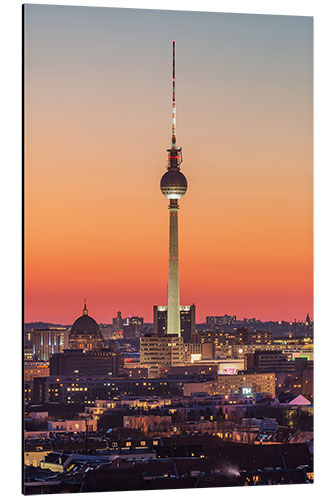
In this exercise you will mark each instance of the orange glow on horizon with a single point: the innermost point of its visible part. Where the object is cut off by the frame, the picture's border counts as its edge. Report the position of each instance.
(97, 125)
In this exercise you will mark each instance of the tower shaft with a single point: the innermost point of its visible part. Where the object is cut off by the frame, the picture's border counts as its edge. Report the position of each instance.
(173, 318)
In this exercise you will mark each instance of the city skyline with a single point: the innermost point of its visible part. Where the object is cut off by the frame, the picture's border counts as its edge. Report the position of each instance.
(137, 314)
(95, 147)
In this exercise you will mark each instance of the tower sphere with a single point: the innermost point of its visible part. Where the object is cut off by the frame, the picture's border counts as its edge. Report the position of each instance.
(173, 184)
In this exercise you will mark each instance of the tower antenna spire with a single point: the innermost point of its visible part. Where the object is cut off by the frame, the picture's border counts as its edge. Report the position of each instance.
(173, 135)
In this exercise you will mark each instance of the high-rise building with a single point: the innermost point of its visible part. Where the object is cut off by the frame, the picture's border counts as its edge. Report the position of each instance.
(117, 323)
(187, 321)
(132, 327)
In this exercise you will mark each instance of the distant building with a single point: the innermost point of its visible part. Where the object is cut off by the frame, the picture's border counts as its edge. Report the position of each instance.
(34, 369)
(72, 425)
(28, 353)
(132, 327)
(260, 337)
(158, 351)
(95, 363)
(135, 321)
(106, 331)
(308, 321)
(137, 371)
(228, 366)
(269, 361)
(299, 380)
(218, 338)
(197, 351)
(85, 333)
(220, 321)
(250, 320)
(79, 389)
(257, 382)
(194, 369)
(200, 387)
(148, 423)
(46, 342)
(28, 391)
(117, 323)
(187, 321)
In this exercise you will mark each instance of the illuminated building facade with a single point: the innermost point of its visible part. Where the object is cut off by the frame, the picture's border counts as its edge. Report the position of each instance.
(258, 382)
(34, 369)
(197, 351)
(46, 342)
(158, 351)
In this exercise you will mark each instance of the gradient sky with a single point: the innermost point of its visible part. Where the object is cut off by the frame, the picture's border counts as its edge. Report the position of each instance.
(97, 126)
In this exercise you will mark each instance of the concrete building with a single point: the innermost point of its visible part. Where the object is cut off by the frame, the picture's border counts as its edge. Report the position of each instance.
(227, 366)
(148, 423)
(75, 389)
(131, 370)
(194, 369)
(256, 382)
(201, 387)
(276, 361)
(28, 353)
(90, 363)
(34, 369)
(187, 321)
(148, 403)
(28, 392)
(197, 351)
(72, 425)
(132, 327)
(159, 351)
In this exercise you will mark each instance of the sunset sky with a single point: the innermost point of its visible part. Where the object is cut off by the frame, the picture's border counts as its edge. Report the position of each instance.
(97, 126)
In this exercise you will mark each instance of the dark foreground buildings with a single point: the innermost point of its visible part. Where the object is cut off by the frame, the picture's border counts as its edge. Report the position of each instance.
(104, 362)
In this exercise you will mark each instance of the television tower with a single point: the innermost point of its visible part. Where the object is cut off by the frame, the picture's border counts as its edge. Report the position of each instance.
(173, 186)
